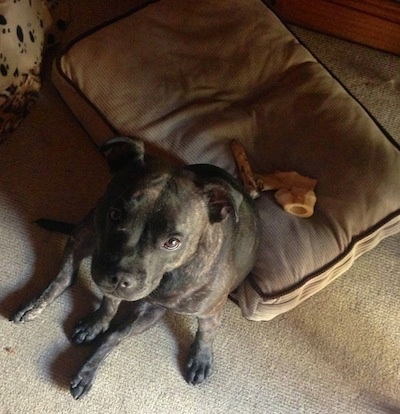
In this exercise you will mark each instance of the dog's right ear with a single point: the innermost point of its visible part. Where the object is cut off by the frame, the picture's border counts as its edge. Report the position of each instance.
(223, 200)
(121, 152)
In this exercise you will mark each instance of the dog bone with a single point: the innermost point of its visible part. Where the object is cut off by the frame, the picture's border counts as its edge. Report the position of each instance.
(245, 172)
(295, 192)
(297, 201)
(286, 180)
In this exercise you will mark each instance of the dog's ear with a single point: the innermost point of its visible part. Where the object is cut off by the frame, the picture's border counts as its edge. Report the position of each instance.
(123, 151)
(223, 200)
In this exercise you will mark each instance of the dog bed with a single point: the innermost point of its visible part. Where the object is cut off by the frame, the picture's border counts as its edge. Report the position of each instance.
(188, 77)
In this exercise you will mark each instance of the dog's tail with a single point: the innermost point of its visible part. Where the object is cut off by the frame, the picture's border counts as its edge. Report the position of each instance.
(55, 225)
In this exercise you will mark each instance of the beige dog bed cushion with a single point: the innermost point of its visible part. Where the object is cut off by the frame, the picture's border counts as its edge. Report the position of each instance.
(187, 77)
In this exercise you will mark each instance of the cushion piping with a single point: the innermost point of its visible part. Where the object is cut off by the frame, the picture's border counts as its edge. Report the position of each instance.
(383, 225)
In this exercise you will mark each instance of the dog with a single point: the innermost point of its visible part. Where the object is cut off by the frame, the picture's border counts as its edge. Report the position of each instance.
(167, 238)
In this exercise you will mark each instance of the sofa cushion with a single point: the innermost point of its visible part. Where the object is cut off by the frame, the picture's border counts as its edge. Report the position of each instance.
(23, 27)
(188, 77)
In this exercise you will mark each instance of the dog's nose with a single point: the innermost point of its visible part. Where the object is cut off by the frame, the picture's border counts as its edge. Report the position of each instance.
(122, 281)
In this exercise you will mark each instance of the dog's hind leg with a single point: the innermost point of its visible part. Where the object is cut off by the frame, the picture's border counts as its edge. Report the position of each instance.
(80, 244)
(200, 361)
(146, 315)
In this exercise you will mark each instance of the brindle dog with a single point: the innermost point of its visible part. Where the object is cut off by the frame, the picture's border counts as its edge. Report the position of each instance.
(169, 238)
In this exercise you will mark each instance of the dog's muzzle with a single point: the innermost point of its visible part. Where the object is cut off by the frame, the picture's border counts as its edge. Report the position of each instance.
(128, 286)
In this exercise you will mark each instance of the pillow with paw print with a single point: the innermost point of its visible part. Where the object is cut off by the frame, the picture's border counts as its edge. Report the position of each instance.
(23, 24)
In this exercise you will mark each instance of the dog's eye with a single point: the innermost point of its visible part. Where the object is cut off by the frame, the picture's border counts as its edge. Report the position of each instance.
(172, 243)
(114, 214)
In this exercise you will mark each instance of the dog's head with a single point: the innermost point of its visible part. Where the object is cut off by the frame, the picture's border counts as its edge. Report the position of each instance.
(152, 219)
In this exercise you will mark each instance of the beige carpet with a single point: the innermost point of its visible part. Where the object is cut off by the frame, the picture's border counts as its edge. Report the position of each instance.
(339, 352)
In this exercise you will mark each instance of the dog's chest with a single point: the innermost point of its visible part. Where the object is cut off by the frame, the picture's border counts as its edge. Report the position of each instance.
(182, 296)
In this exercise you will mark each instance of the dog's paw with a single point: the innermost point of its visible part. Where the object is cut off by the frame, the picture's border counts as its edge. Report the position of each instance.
(82, 382)
(28, 312)
(88, 330)
(199, 367)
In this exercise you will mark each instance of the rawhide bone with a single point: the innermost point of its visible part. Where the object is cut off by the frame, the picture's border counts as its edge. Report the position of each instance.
(295, 192)
(245, 172)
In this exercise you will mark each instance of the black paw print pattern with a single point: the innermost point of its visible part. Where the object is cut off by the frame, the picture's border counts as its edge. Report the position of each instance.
(21, 39)
(22, 35)
(32, 34)
(3, 24)
(18, 32)
(4, 67)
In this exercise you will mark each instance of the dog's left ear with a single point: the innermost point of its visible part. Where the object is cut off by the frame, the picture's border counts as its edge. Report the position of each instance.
(121, 152)
(223, 200)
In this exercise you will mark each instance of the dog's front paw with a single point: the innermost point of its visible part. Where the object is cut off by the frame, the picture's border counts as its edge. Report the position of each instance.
(88, 329)
(199, 367)
(28, 312)
(82, 382)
